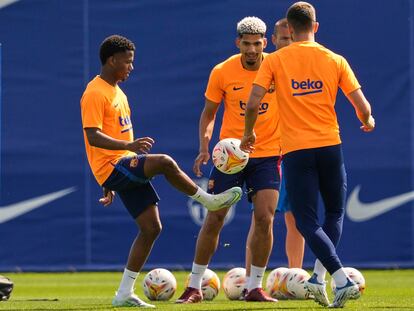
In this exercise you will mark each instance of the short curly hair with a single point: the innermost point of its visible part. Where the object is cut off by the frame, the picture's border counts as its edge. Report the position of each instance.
(301, 16)
(114, 44)
(251, 25)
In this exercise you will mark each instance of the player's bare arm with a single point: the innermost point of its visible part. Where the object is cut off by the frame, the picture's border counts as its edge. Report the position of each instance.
(252, 109)
(206, 127)
(362, 109)
(98, 139)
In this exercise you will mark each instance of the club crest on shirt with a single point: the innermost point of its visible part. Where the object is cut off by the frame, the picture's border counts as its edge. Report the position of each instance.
(134, 162)
(271, 88)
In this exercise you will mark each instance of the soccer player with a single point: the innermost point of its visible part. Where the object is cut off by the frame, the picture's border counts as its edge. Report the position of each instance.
(295, 243)
(120, 163)
(230, 82)
(307, 76)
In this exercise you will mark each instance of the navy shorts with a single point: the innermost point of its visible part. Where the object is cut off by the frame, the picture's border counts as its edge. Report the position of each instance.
(283, 205)
(259, 174)
(131, 184)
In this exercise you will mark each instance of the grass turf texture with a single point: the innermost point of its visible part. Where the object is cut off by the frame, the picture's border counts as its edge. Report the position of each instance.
(386, 290)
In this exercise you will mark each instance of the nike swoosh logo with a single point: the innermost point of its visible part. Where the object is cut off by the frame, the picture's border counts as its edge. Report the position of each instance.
(12, 211)
(237, 88)
(4, 3)
(359, 211)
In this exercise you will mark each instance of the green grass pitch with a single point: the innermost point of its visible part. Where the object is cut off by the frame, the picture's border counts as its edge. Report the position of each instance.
(386, 290)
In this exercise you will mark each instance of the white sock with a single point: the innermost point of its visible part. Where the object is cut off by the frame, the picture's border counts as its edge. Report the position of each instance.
(201, 196)
(340, 277)
(127, 283)
(256, 277)
(247, 281)
(197, 272)
(320, 271)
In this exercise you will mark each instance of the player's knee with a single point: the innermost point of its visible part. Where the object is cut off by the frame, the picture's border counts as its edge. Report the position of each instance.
(152, 230)
(307, 230)
(168, 163)
(263, 220)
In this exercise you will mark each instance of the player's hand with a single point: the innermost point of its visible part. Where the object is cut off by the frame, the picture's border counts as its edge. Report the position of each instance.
(369, 126)
(141, 145)
(247, 143)
(202, 158)
(108, 197)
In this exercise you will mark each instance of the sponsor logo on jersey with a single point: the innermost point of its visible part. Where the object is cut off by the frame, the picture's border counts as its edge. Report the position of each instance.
(306, 87)
(123, 121)
(263, 107)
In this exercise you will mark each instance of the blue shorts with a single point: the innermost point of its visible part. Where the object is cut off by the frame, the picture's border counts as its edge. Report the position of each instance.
(259, 174)
(131, 184)
(283, 205)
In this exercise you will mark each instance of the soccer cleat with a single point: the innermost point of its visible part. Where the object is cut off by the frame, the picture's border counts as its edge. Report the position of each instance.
(342, 294)
(224, 199)
(258, 294)
(318, 290)
(243, 294)
(190, 295)
(131, 300)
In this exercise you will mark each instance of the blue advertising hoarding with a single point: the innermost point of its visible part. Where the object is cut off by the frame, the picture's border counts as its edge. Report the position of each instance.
(49, 199)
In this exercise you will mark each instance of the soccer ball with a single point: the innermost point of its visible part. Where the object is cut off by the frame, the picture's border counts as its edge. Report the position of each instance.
(273, 283)
(234, 282)
(356, 276)
(227, 156)
(210, 284)
(296, 278)
(6, 288)
(159, 284)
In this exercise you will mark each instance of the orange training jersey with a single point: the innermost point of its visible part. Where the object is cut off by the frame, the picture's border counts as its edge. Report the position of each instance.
(230, 82)
(105, 107)
(307, 76)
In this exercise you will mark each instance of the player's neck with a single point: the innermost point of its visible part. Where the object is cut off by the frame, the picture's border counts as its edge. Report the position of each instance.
(107, 77)
(304, 36)
(253, 67)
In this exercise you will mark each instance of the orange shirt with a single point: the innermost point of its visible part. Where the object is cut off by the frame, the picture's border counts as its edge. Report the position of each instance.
(231, 83)
(307, 76)
(105, 107)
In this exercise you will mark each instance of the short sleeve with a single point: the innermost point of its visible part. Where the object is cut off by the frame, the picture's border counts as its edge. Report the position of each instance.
(347, 80)
(92, 109)
(214, 91)
(264, 76)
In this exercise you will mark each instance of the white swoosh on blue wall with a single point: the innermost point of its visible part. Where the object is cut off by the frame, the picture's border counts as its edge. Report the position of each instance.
(359, 211)
(4, 3)
(12, 211)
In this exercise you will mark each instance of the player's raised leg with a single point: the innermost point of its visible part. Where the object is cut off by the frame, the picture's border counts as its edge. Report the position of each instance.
(161, 164)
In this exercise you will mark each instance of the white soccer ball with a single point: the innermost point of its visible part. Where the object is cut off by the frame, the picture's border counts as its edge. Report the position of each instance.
(296, 279)
(234, 282)
(159, 284)
(356, 276)
(273, 283)
(210, 284)
(227, 156)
